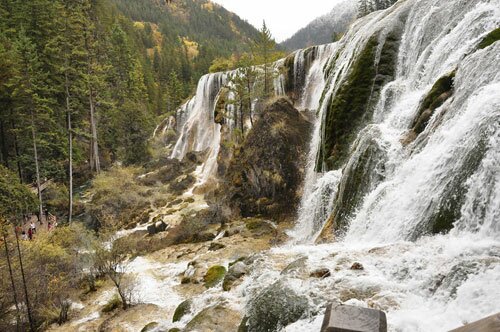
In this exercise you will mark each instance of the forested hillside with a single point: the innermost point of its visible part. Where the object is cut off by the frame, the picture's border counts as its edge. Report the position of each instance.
(96, 74)
(325, 29)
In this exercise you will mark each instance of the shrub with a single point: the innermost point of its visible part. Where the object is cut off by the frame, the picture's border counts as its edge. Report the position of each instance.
(112, 304)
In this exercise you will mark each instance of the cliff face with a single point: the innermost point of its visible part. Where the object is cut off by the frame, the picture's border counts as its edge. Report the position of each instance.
(266, 171)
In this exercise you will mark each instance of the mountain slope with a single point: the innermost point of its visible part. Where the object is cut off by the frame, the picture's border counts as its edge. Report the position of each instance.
(206, 30)
(324, 29)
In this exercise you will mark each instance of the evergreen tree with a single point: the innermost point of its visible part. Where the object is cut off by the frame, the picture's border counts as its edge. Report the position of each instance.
(264, 48)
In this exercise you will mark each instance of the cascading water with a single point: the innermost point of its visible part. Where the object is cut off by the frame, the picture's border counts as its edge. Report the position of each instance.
(389, 195)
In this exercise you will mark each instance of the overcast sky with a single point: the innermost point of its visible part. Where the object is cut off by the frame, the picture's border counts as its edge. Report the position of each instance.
(283, 17)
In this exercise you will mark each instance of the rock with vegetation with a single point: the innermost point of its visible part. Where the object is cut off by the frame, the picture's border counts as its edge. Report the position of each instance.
(275, 307)
(351, 106)
(490, 38)
(214, 318)
(439, 93)
(214, 275)
(182, 309)
(150, 327)
(266, 171)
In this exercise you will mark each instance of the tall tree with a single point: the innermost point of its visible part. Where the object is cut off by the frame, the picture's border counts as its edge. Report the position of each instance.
(264, 49)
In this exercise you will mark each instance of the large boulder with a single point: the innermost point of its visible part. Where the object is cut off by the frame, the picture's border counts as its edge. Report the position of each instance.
(266, 170)
(275, 307)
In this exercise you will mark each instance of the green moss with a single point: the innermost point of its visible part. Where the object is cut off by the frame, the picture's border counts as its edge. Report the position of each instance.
(359, 177)
(352, 105)
(443, 84)
(439, 93)
(214, 275)
(490, 38)
(174, 329)
(149, 327)
(182, 309)
(449, 208)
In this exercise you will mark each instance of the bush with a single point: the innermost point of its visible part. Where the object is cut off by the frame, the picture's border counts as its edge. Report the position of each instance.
(112, 304)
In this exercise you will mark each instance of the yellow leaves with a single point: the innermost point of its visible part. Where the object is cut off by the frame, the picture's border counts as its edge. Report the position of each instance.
(191, 47)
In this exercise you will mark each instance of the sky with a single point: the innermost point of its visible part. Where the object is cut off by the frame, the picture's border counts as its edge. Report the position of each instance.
(283, 17)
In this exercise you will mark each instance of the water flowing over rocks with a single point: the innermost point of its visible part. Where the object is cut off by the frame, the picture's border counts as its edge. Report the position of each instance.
(400, 181)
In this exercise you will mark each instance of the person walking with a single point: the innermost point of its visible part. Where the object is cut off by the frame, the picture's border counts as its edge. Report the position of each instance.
(30, 234)
(33, 227)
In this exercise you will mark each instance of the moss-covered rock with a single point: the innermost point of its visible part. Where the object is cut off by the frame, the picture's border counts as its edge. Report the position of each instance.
(214, 275)
(275, 307)
(150, 327)
(182, 309)
(352, 105)
(364, 171)
(174, 329)
(489, 39)
(266, 171)
(439, 93)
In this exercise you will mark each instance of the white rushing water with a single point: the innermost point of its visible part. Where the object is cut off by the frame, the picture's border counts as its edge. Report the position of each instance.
(423, 282)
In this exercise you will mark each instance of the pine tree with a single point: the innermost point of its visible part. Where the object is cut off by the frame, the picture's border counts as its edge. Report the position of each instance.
(264, 48)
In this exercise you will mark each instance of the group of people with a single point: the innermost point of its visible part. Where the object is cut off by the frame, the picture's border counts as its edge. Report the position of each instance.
(31, 227)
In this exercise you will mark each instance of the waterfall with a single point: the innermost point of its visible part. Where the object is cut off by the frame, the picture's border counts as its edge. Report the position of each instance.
(416, 177)
(414, 191)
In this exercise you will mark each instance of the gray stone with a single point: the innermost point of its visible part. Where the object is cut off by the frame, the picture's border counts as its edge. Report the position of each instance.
(346, 318)
(275, 307)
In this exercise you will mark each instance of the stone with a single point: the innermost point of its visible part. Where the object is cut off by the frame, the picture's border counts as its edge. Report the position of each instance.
(235, 272)
(320, 273)
(214, 318)
(488, 324)
(357, 266)
(182, 309)
(150, 327)
(214, 275)
(214, 246)
(274, 307)
(346, 318)
(297, 266)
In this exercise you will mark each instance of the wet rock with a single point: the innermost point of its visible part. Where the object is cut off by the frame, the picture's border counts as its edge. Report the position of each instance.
(214, 246)
(297, 266)
(357, 266)
(214, 275)
(259, 227)
(150, 327)
(157, 227)
(182, 309)
(276, 306)
(174, 329)
(320, 273)
(214, 318)
(235, 272)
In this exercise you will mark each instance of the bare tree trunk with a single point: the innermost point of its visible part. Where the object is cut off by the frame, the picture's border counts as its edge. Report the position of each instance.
(37, 167)
(16, 148)
(249, 91)
(28, 306)
(70, 149)
(14, 292)
(95, 163)
(5, 153)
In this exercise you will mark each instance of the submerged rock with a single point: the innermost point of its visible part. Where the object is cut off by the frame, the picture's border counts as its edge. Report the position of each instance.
(357, 266)
(275, 307)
